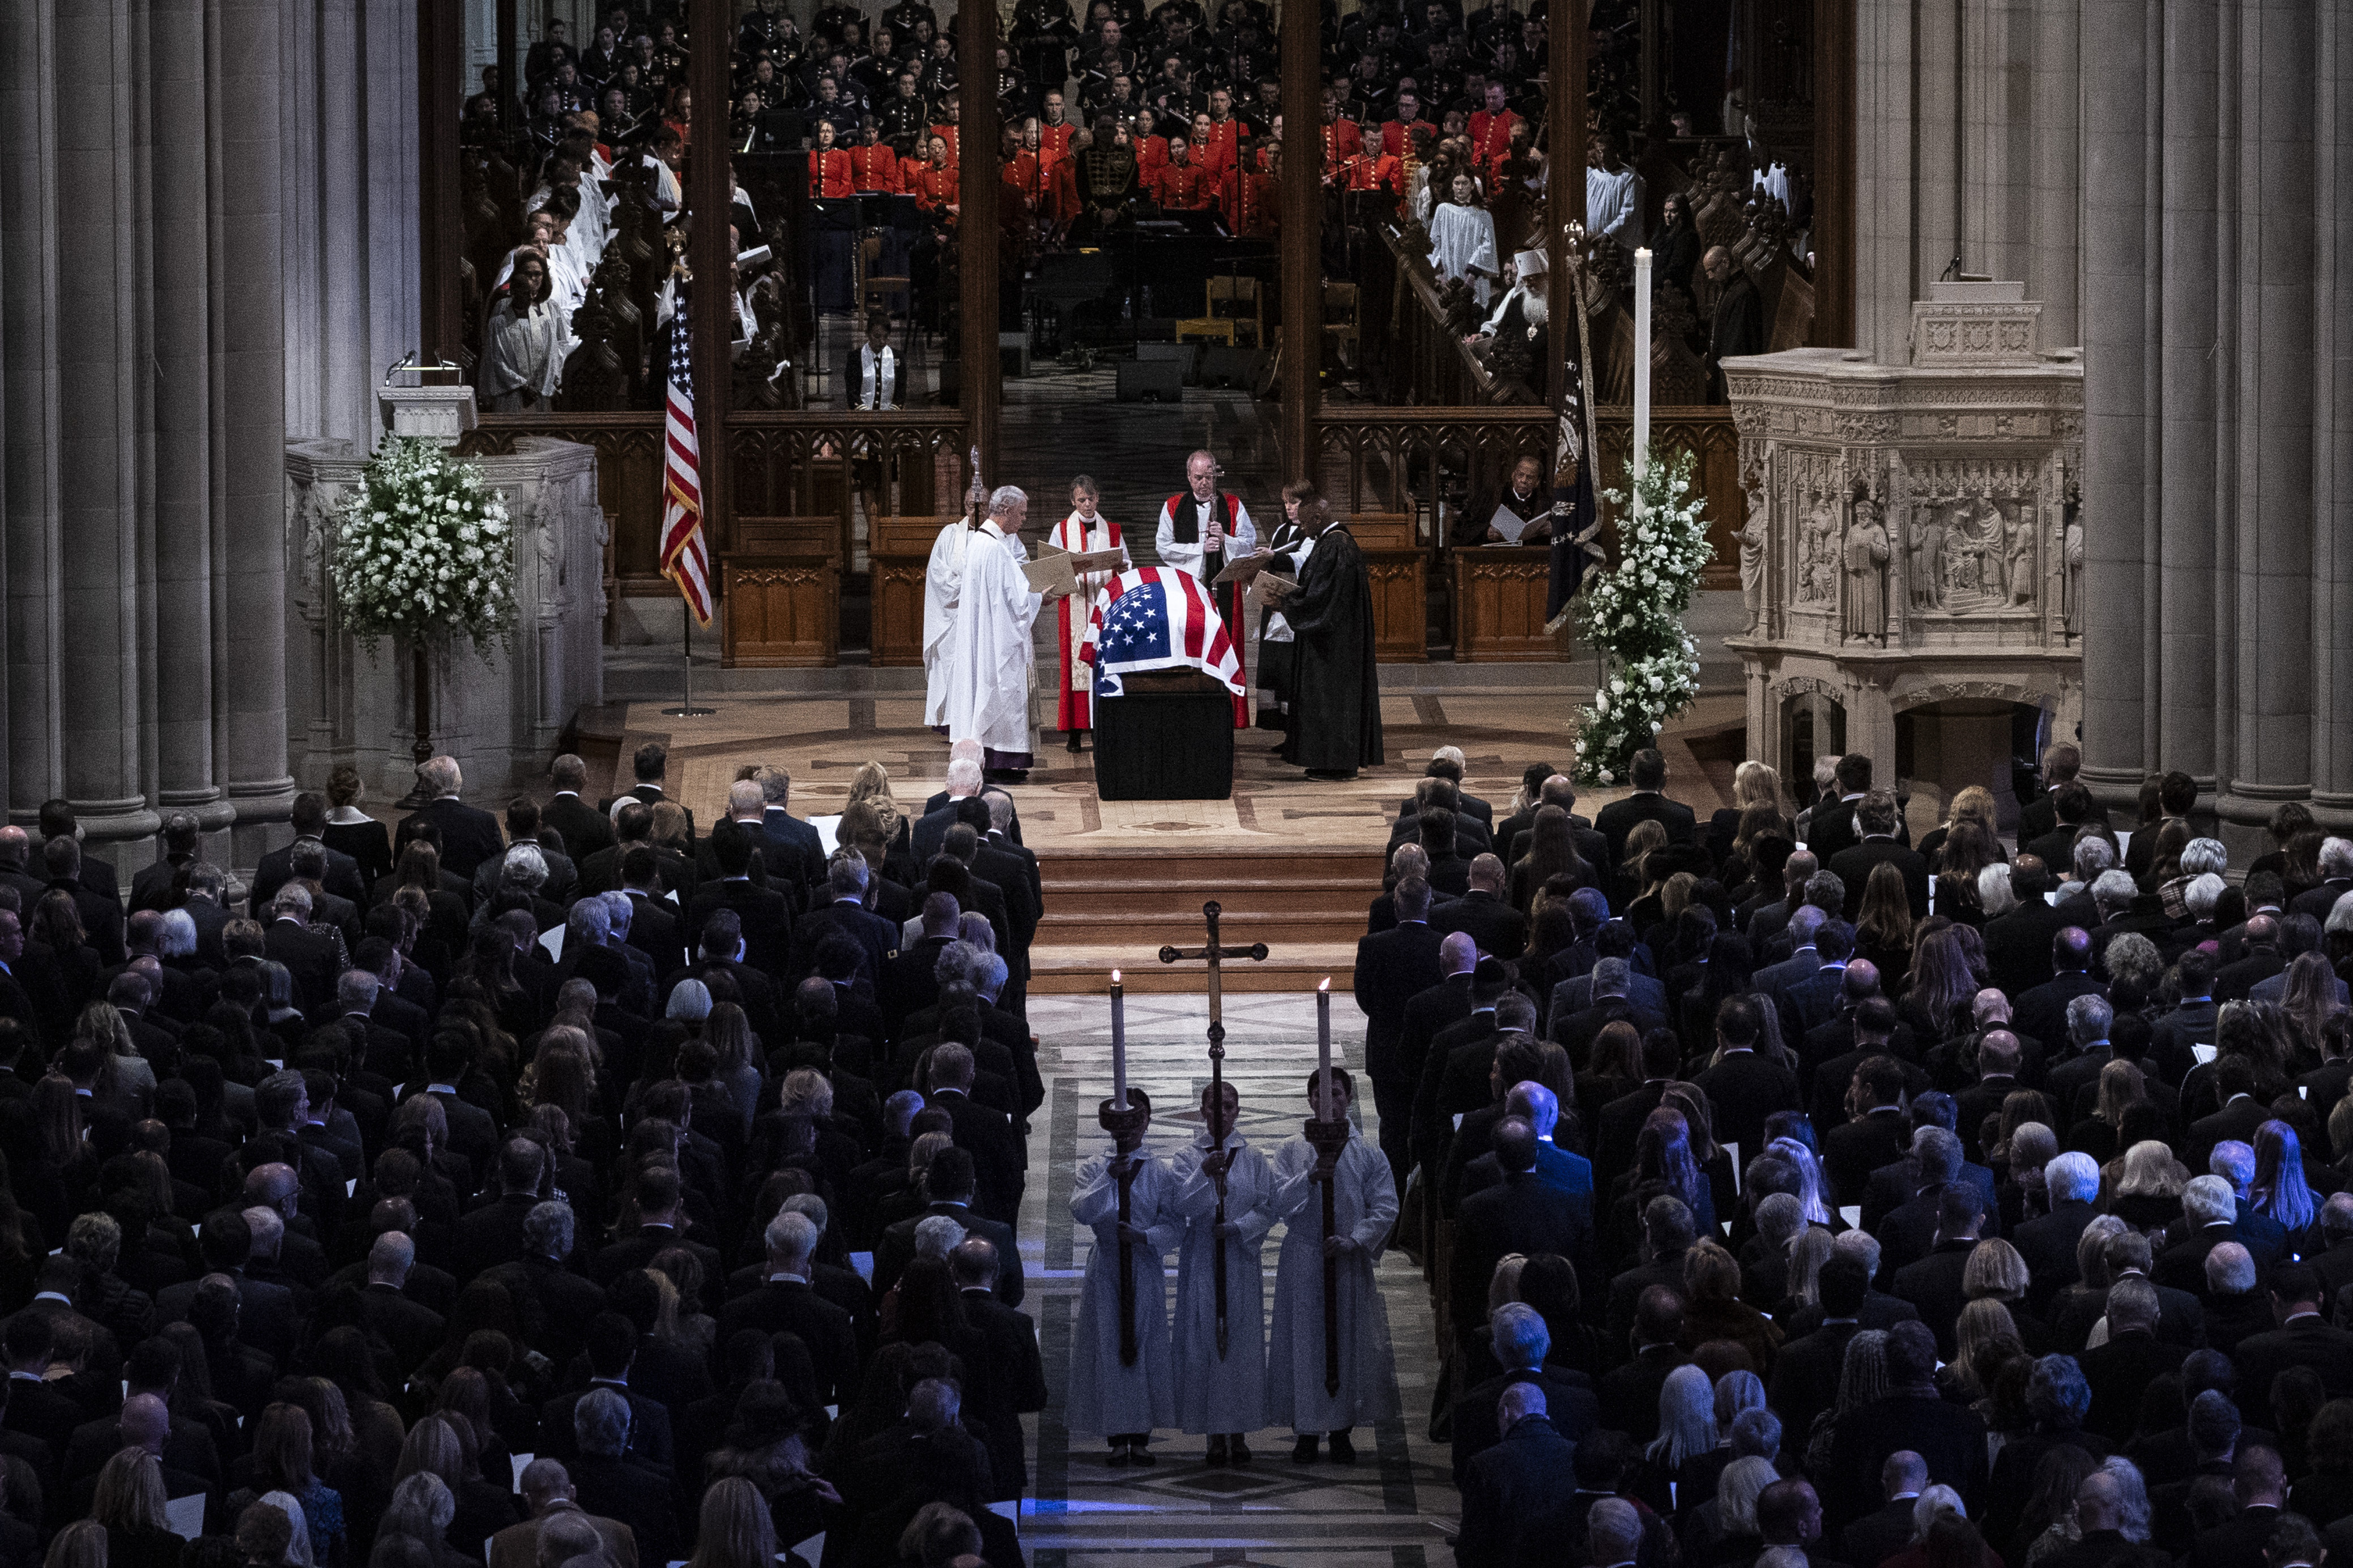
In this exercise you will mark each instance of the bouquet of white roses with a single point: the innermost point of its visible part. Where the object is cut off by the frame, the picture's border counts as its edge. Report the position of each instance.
(1634, 616)
(425, 550)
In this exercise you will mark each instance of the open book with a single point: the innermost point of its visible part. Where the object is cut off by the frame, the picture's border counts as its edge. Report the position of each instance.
(1054, 573)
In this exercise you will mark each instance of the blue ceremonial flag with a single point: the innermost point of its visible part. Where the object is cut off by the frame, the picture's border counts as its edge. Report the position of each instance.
(1572, 500)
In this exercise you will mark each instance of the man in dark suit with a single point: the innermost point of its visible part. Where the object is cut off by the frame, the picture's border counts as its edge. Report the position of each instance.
(101, 917)
(1876, 813)
(765, 916)
(792, 844)
(1647, 772)
(1830, 828)
(2042, 1012)
(1392, 967)
(151, 886)
(998, 1153)
(1877, 1536)
(1467, 837)
(603, 1441)
(1521, 1342)
(1524, 1214)
(2191, 1023)
(2261, 1531)
(949, 1181)
(787, 1300)
(2048, 1241)
(1009, 1381)
(1812, 1000)
(1743, 1087)
(275, 869)
(650, 765)
(1482, 911)
(2304, 1337)
(1876, 1133)
(2018, 944)
(964, 781)
(469, 834)
(1806, 1373)
(1933, 1284)
(412, 1330)
(2062, 761)
(2120, 1371)
(845, 915)
(34, 1408)
(584, 828)
(493, 1234)
(2241, 1114)
(1949, 1438)
(56, 820)
(1510, 1479)
(1629, 1393)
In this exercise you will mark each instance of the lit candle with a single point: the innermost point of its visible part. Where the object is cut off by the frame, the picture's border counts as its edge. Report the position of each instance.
(1641, 371)
(1118, 1043)
(1324, 1045)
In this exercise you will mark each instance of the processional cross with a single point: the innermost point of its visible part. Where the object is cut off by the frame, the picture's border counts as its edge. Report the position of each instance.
(1218, 1160)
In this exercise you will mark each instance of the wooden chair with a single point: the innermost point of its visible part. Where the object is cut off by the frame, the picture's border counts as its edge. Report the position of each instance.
(1235, 315)
(876, 289)
(1342, 325)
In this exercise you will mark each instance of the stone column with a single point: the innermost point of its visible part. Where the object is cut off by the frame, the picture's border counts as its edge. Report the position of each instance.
(188, 484)
(2117, 606)
(2332, 200)
(2272, 760)
(103, 373)
(2054, 168)
(1884, 133)
(28, 396)
(2187, 370)
(250, 714)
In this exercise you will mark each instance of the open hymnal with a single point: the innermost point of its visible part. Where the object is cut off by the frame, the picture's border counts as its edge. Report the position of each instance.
(1241, 569)
(1508, 524)
(1054, 572)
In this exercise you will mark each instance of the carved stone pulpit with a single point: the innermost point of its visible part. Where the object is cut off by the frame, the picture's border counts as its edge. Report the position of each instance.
(1912, 532)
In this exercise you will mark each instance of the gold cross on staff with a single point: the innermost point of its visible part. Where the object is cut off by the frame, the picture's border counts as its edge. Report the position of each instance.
(1215, 955)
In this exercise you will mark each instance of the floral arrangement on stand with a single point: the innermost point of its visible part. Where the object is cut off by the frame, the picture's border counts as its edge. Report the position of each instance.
(1633, 616)
(426, 552)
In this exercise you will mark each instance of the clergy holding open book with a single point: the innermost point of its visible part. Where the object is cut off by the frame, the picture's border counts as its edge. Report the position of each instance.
(1520, 513)
(1203, 530)
(980, 668)
(1332, 726)
(1085, 531)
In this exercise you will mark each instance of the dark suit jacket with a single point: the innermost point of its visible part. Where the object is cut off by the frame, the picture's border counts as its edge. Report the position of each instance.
(277, 869)
(412, 1330)
(998, 1153)
(2119, 1372)
(1854, 865)
(1933, 1285)
(1629, 1395)
(2042, 1011)
(1853, 1149)
(1617, 819)
(897, 1249)
(1830, 828)
(1392, 967)
(766, 916)
(1950, 1437)
(1494, 925)
(1525, 1215)
(823, 1326)
(1573, 1406)
(638, 1496)
(584, 828)
(1875, 1537)
(1006, 1383)
(469, 836)
(876, 938)
(1744, 1089)
(2017, 948)
(2047, 1242)
(1506, 1483)
(2301, 1341)
(1806, 1373)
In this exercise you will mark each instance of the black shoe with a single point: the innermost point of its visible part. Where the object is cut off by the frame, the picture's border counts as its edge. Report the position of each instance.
(1140, 1455)
(1343, 1452)
(1304, 1451)
(1005, 775)
(1118, 1456)
(1074, 741)
(1238, 1452)
(1331, 775)
(1218, 1449)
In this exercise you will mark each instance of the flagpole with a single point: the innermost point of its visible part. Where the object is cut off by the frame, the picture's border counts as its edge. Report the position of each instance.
(686, 708)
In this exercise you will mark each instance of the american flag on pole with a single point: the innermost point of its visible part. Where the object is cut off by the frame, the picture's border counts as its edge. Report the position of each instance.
(684, 559)
(1157, 618)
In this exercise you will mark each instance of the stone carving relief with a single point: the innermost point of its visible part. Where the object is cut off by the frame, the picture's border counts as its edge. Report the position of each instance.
(1972, 547)
(1754, 537)
(1864, 612)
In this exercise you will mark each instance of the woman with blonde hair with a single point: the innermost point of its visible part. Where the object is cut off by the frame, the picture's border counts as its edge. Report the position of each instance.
(129, 1506)
(2148, 1188)
(282, 1462)
(1973, 804)
(1645, 836)
(2121, 1087)
(1997, 1272)
(670, 830)
(1756, 787)
(736, 1530)
(82, 1544)
(1808, 1250)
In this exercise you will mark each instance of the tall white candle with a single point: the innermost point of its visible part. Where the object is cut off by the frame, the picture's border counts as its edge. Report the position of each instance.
(1641, 371)
(1323, 1043)
(1118, 1043)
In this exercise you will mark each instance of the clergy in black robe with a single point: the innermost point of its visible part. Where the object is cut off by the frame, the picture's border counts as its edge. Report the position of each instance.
(1334, 727)
(1523, 495)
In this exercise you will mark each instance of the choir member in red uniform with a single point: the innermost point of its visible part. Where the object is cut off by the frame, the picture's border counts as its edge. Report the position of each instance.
(1056, 133)
(1262, 195)
(933, 183)
(1371, 171)
(829, 165)
(1396, 135)
(1342, 138)
(1181, 185)
(1491, 132)
(874, 168)
(1216, 157)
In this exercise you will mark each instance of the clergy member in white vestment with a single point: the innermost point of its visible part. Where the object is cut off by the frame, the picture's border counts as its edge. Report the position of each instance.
(1463, 240)
(1203, 530)
(1613, 195)
(1364, 1205)
(1111, 1398)
(1224, 1397)
(943, 581)
(1082, 532)
(984, 657)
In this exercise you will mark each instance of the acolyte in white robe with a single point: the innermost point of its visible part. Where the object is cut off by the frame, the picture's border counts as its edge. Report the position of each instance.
(943, 582)
(1229, 1395)
(1461, 239)
(1613, 204)
(1365, 1206)
(984, 657)
(1106, 1398)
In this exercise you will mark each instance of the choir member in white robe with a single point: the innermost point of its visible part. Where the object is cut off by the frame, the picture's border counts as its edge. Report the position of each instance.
(1365, 1206)
(1108, 1398)
(1613, 195)
(986, 653)
(1463, 240)
(1223, 1396)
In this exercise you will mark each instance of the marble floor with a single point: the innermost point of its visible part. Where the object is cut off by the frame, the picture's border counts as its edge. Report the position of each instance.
(1396, 1502)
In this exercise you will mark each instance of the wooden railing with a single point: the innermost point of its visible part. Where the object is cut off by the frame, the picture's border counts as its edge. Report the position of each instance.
(1411, 354)
(800, 484)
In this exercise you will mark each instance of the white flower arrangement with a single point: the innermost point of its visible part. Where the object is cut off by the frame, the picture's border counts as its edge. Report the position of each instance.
(1634, 616)
(425, 551)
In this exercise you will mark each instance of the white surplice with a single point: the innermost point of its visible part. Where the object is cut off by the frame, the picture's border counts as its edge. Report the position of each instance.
(1228, 1394)
(1083, 535)
(1365, 1206)
(1108, 1398)
(943, 581)
(1461, 239)
(983, 659)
